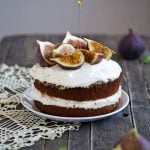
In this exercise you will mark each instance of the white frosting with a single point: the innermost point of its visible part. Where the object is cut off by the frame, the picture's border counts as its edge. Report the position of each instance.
(47, 100)
(106, 70)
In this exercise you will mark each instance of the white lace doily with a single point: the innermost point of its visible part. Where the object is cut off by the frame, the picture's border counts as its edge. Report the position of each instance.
(18, 126)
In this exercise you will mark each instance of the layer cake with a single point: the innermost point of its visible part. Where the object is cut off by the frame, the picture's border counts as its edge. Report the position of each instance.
(88, 90)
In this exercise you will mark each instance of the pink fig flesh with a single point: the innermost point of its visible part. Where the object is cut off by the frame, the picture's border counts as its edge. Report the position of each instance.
(63, 49)
(75, 41)
(70, 62)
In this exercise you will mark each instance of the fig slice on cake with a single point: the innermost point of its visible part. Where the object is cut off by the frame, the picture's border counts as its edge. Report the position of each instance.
(92, 57)
(99, 48)
(43, 53)
(75, 41)
(62, 49)
(68, 57)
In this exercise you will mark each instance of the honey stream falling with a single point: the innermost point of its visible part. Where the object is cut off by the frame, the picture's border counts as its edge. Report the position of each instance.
(79, 4)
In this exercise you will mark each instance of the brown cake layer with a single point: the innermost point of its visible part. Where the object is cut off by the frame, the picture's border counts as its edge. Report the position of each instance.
(74, 112)
(93, 92)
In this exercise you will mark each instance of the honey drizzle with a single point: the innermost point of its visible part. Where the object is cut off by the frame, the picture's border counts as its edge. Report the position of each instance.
(79, 4)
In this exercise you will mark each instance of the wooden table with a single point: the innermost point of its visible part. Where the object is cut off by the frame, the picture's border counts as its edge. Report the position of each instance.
(102, 134)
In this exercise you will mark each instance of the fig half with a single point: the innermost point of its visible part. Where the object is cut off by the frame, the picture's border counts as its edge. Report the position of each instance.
(99, 48)
(43, 53)
(75, 41)
(70, 62)
(62, 49)
(91, 57)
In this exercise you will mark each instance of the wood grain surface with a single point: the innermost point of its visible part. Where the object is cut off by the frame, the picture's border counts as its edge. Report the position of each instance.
(101, 134)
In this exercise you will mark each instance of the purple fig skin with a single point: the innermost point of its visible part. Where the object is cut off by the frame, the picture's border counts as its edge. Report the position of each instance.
(98, 59)
(133, 141)
(70, 68)
(75, 41)
(41, 61)
(78, 44)
(67, 66)
(144, 144)
(131, 46)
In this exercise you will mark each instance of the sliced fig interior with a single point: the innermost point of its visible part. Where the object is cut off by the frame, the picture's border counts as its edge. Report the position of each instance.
(72, 53)
(99, 48)
(44, 53)
(73, 61)
(75, 41)
(62, 49)
(92, 57)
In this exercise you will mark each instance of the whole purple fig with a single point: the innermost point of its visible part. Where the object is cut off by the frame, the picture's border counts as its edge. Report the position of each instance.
(133, 141)
(131, 46)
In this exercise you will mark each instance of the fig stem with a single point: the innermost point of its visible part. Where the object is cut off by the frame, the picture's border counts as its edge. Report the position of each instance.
(117, 148)
(133, 132)
(79, 2)
(130, 30)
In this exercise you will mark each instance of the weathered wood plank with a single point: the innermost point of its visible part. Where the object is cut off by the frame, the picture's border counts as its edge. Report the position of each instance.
(15, 51)
(57, 143)
(101, 134)
(30, 47)
(4, 48)
(146, 69)
(146, 75)
(80, 140)
(106, 133)
(139, 97)
(22, 49)
(10, 48)
(39, 145)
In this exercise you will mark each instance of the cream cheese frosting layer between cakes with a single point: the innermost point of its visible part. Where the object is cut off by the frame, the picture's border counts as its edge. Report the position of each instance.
(47, 100)
(105, 71)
